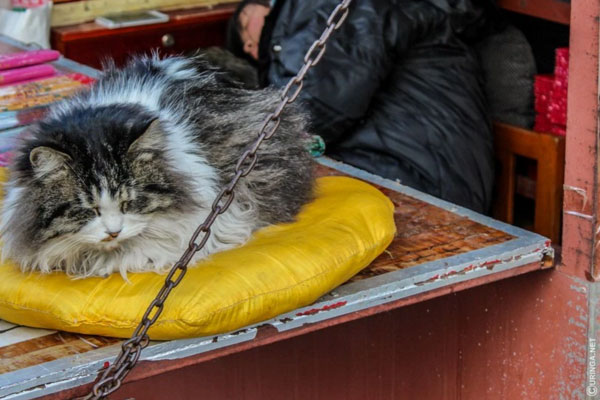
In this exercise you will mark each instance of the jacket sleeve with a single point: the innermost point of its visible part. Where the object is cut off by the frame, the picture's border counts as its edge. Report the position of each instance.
(338, 91)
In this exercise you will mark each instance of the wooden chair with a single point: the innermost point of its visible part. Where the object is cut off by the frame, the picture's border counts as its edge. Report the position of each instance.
(549, 152)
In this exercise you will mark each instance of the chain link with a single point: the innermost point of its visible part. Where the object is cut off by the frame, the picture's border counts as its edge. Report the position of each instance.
(131, 349)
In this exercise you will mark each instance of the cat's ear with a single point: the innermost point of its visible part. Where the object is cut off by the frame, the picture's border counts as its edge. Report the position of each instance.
(151, 139)
(46, 160)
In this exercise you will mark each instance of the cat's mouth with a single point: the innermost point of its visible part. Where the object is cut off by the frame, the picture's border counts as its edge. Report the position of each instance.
(110, 243)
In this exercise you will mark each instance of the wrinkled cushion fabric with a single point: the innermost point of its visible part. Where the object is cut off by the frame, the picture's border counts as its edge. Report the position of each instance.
(398, 92)
(283, 267)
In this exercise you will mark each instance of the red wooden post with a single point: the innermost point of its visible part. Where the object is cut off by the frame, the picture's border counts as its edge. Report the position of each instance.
(581, 184)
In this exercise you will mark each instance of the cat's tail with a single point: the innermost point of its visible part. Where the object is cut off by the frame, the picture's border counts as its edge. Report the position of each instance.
(231, 70)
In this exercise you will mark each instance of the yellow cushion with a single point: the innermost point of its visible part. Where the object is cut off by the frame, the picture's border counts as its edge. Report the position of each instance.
(283, 267)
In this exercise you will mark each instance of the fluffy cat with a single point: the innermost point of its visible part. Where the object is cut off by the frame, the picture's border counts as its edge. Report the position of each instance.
(117, 178)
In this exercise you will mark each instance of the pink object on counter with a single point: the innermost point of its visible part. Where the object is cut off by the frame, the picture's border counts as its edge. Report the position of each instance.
(24, 58)
(21, 74)
(6, 158)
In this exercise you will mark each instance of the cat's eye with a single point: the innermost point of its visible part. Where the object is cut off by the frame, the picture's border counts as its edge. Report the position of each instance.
(123, 206)
(97, 211)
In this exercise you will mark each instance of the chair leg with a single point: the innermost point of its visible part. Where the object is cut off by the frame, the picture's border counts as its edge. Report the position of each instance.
(505, 202)
(548, 196)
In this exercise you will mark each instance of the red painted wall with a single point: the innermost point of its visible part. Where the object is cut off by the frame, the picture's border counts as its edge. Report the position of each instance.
(521, 338)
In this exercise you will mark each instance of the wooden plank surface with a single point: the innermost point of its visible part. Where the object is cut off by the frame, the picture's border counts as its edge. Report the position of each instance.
(426, 233)
(551, 10)
(48, 346)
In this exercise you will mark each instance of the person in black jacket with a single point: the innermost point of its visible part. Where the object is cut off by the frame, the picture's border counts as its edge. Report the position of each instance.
(399, 91)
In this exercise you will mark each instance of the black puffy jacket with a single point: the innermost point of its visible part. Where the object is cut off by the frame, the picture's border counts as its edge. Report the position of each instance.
(398, 92)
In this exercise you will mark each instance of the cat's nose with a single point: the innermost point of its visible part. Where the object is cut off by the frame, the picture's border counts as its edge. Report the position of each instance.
(113, 223)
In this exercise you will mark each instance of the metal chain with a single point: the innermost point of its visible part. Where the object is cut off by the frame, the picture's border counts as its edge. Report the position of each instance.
(132, 348)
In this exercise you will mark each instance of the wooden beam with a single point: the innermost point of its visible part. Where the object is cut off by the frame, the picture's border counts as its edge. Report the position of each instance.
(551, 10)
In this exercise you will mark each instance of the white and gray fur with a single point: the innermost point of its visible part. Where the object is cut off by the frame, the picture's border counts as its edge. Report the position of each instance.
(142, 155)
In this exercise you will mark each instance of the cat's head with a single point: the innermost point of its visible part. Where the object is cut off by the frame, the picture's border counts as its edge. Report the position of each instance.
(92, 181)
